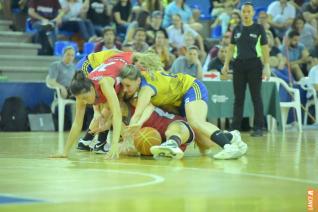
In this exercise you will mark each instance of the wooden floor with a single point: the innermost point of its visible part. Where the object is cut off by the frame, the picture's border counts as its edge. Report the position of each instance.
(273, 176)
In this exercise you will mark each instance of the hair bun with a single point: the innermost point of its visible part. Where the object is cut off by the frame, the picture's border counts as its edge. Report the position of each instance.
(79, 75)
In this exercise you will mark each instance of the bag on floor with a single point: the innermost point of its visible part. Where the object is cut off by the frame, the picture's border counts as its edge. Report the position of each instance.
(14, 115)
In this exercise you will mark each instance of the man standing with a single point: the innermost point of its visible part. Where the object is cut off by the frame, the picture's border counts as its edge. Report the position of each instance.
(248, 43)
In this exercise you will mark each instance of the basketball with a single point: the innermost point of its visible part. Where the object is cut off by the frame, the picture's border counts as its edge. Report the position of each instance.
(145, 138)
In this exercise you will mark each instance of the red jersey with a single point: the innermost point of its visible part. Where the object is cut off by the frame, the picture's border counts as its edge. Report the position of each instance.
(110, 68)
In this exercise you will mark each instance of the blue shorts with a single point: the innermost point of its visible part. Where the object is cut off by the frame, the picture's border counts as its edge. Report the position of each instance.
(84, 66)
(198, 91)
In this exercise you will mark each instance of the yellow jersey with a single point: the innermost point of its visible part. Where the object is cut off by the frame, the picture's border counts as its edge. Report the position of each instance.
(169, 88)
(96, 59)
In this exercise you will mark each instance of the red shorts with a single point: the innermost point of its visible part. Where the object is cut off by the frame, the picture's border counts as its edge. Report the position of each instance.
(160, 120)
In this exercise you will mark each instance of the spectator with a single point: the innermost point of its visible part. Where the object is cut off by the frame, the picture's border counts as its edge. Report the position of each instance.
(162, 49)
(152, 5)
(100, 14)
(122, 12)
(155, 26)
(281, 16)
(263, 20)
(189, 40)
(314, 49)
(217, 63)
(310, 12)
(227, 18)
(226, 39)
(176, 33)
(109, 42)
(139, 42)
(298, 5)
(74, 18)
(219, 6)
(141, 22)
(307, 32)
(189, 64)
(181, 8)
(297, 55)
(45, 15)
(61, 72)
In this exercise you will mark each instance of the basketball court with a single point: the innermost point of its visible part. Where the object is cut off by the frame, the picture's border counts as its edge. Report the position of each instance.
(273, 176)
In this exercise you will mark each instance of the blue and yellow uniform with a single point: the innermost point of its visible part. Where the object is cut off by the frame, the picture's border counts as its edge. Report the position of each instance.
(93, 60)
(173, 91)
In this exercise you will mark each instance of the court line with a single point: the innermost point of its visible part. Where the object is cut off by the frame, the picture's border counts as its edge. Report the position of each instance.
(156, 180)
(216, 171)
(38, 136)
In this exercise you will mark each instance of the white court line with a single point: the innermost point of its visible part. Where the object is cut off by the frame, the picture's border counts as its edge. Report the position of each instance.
(217, 171)
(156, 180)
(41, 136)
(283, 178)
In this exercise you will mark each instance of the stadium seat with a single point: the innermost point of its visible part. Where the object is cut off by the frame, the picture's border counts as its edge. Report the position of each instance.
(61, 103)
(60, 45)
(311, 97)
(285, 106)
(216, 32)
(88, 48)
(28, 26)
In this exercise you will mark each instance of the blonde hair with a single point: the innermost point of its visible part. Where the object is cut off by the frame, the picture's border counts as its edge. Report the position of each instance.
(150, 61)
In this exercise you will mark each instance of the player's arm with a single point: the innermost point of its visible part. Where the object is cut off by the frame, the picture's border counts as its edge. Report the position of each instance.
(108, 90)
(143, 101)
(146, 114)
(75, 130)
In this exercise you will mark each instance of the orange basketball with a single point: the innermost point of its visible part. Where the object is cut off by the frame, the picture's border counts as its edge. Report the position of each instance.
(145, 138)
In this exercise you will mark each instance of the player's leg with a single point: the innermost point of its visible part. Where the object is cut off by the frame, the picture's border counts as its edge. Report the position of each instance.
(196, 110)
(178, 134)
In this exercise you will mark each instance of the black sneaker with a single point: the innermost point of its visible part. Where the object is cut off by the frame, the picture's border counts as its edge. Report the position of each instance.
(84, 145)
(257, 133)
(101, 148)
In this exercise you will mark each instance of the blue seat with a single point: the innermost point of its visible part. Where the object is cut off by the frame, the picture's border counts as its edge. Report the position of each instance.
(28, 26)
(88, 48)
(60, 45)
(216, 33)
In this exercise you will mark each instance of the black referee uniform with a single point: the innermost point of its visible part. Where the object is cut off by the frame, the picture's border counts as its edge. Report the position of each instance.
(247, 69)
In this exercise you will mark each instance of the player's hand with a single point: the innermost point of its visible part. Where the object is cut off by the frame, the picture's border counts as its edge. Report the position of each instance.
(113, 152)
(58, 155)
(133, 129)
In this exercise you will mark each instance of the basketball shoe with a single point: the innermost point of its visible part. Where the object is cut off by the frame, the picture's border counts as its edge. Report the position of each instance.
(230, 151)
(167, 149)
(84, 145)
(237, 140)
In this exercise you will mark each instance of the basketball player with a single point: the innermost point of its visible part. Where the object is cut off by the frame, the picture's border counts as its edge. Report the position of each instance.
(109, 62)
(181, 92)
(172, 129)
(96, 84)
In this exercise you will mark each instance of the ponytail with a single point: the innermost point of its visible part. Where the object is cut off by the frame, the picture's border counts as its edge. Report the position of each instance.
(149, 60)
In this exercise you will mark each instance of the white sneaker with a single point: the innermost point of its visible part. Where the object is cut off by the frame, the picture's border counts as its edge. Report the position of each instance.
(167, 149)
(230, 151)
(237, 140)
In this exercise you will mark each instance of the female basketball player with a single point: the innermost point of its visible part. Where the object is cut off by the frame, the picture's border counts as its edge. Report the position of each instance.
(101, 81)
(177, 91)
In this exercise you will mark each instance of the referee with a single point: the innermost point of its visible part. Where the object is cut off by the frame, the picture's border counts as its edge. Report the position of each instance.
(248, 44)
